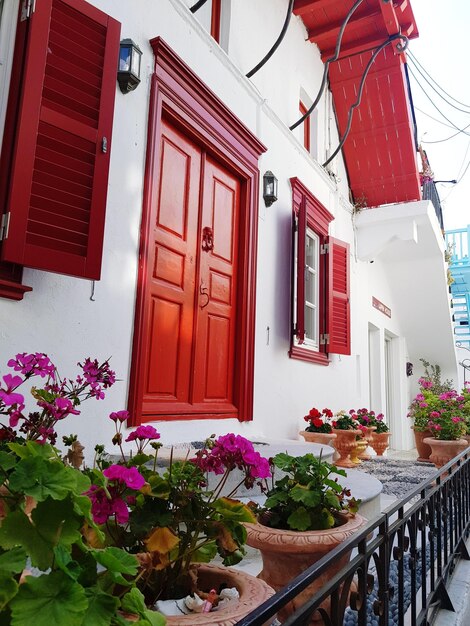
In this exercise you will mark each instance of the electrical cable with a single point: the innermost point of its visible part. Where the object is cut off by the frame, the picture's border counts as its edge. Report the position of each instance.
(436, 91)
(197, 6)
(435, 105)
(434, 119)
(277, 43)
(413, 57)
(377, 51)
(327, 63)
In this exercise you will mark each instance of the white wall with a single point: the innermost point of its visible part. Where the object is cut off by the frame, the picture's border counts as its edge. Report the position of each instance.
(58, 316)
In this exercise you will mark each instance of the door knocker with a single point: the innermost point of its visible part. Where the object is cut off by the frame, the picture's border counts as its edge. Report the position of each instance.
(207, 239)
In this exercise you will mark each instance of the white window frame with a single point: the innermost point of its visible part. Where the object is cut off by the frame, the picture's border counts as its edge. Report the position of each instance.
(310, 344)
(8, 19)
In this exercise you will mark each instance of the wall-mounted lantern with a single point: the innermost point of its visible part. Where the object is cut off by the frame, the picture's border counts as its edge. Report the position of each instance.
(409, 369)
(129, 65)
(269, 188)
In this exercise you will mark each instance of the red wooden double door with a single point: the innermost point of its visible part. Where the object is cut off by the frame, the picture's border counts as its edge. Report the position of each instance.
(190, 296)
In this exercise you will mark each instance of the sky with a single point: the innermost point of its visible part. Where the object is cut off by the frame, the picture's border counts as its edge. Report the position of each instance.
(443, 50)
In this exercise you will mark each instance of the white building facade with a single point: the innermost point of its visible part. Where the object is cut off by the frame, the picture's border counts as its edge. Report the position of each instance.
(194, 287)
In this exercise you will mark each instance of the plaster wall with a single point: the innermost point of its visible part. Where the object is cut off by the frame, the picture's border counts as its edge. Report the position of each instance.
(70, 318)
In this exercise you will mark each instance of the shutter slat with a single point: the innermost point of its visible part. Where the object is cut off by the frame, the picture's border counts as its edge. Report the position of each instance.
(301, 234)
(59, 173)
(338, 312)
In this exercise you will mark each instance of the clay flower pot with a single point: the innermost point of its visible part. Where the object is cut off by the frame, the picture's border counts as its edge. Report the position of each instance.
(424, 451)
(379, 442)
(358, 452)
(323, 438)
(287, 553)
(253, 591)
(345, 443)
(368, 431)
(442, 450)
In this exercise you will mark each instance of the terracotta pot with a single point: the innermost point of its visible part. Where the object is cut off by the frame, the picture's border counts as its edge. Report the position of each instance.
(380, 442)
(345, 443)
(358, 451)
(424, 451)
(443, 451)
(253, 591)
(287, 553)
(367, 434)
(323, 438)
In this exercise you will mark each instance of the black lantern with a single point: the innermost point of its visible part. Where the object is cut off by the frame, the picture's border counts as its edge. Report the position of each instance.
(269, 188)
(129, 65)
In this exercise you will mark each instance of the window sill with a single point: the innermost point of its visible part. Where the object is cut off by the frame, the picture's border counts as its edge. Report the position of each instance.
(12, 290)
(303, 354)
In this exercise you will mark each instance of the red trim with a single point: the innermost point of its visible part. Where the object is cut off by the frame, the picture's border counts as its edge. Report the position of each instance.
(215, 20)
(302, 354)
(305, 125)
(13, 290)
(179, 95)
(338, 310)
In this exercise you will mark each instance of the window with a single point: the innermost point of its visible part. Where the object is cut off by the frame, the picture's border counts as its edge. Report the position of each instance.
(209, 16)
(321, 317)
(56, 148)
(305, 126)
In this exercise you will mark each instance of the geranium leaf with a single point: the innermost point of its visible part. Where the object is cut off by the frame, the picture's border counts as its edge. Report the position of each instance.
(7, 461)
(101, 608)
(41, 479)
(332, 484)
(234, 510)
(134, 602)
(305, 495)
(17, 530)
(49, 600)
(299, 519)
(205, 553)
(8, 589)
(64, 561)
(162, 540)
(13, 561)
(117, 562)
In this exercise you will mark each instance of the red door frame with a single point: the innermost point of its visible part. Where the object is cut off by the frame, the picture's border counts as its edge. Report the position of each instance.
(178, 95)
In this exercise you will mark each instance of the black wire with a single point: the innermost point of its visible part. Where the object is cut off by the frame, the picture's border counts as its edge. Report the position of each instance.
(277, 43)
(434, 89)
(413, 57)
(377, 51)
(435, 105)
(197, 6)
(327, 63)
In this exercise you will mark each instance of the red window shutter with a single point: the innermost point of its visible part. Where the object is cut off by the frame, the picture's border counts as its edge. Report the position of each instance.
(57, 196)
(338, 314)
(300, 304)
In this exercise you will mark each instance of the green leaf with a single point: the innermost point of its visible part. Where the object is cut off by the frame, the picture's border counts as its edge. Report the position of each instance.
(233, 558)
(17, 530)
(101, 608)
(276, 498)
(33, 449)
(303, 494)
(49, 600)
(155, 618)
(64, 561)
(41, 479)
(140, 459)
(154, 512)
(234, 510)
(205, 553)
(7, 461)
(333, 485)
(8, 589)
(332, 500)
(160, 486)
(299, 519)
(134, 602)
(118, 563)
(13, 561)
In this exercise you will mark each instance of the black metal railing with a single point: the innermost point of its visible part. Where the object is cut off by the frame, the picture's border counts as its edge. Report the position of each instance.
(430, 193)
(400, 562)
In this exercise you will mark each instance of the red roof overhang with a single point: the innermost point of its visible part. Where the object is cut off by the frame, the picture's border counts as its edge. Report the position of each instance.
(380, 151)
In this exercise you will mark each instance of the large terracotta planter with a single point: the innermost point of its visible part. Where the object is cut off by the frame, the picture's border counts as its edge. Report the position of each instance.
(424, 451)
(358, 451)
(287, 553)
(345, 443)
(253, 591)
(443, 451)
(379, 442)
(323, 438)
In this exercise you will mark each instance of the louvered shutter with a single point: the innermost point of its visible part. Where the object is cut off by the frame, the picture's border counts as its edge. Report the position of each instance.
(300, 301)
(60, 165)
(338, 310)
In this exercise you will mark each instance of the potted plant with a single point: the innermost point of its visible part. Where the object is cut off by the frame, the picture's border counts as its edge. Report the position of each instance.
(447, 425)
(307, 514)
(148, 532)
(430, 387)
(54, 568)
(347, 431)
(380, 436)
(319, 429)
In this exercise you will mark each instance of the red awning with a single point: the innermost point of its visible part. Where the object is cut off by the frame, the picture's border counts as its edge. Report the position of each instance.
(380, 151)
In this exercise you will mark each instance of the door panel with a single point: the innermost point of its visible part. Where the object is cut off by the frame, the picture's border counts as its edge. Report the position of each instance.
(170, 288)
(191, 289)
(215, 332)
